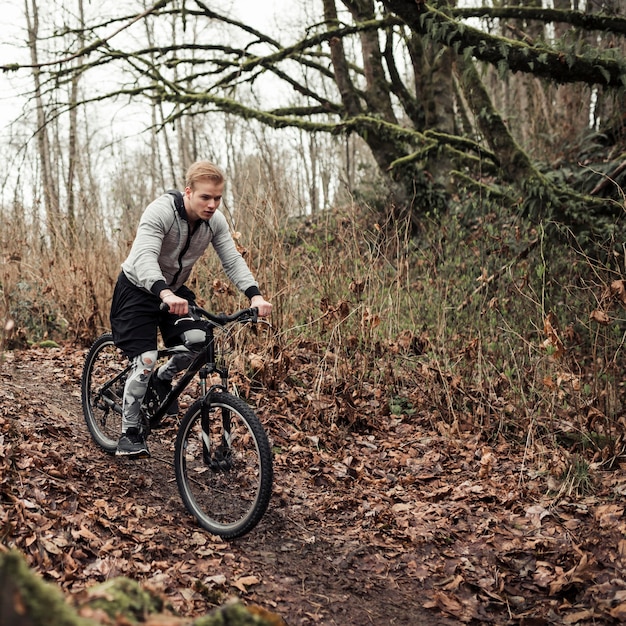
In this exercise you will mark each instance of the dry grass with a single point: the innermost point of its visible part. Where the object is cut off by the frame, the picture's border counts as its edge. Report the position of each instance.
(454, 323)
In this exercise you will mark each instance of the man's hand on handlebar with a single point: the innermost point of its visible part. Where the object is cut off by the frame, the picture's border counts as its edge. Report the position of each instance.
(264, 307)
(177, 306)
(180, 306)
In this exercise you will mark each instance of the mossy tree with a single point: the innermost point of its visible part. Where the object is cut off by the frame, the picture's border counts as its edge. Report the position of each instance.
(404, 75)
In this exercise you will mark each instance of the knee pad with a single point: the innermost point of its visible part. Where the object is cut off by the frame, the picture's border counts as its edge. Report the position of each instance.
(137, 382)
(146, 361)
(194, 339)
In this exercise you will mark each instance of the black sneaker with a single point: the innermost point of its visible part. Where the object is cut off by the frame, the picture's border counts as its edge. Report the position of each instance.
(132, 444)
(162, 388)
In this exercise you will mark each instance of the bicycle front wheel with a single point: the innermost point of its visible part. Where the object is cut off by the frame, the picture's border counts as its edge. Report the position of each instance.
(223, 465)
(102, 390)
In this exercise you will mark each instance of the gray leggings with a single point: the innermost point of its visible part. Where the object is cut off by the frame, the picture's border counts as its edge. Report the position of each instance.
(137, 382)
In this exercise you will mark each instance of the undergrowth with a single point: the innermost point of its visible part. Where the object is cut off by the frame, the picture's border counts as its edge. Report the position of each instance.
(482, 322)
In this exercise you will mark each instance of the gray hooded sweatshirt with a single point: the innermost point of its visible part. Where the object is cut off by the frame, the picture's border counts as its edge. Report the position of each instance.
(166, 247)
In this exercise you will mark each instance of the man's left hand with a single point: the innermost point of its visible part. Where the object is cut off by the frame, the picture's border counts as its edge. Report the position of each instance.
(264, 307)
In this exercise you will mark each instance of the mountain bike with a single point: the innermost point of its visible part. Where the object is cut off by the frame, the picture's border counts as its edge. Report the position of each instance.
(222, 455)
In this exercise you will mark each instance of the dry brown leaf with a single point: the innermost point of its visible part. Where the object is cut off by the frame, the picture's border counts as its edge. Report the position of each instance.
(578, 617)
(454, 584)
(487, 461)
(85, 533)
(50, 547)
(553, 341)
(244, 582)
(619, 612)
(217, 579)
(618, 290)
(536, 513)
(453, 605)
(600, 317)
(609, 514)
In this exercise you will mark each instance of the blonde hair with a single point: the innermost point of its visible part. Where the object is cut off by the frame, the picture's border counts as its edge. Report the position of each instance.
(203, 170)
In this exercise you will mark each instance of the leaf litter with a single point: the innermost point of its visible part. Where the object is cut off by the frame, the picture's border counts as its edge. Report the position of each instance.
(375, 517)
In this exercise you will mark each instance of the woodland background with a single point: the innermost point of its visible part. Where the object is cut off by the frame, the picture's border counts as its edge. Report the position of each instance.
(432, 195)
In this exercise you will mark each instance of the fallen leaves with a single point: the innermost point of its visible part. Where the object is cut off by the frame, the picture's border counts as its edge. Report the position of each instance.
(244, 582)
(386, 520)
(614, 293)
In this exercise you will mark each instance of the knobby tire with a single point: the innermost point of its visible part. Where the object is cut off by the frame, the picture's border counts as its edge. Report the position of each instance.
(103, 362)
(226, 489)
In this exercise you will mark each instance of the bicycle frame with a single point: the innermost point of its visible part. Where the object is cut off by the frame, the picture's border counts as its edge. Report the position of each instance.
(203, 363)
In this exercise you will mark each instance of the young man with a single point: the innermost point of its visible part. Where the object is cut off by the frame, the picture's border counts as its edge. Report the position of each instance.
(172, 235)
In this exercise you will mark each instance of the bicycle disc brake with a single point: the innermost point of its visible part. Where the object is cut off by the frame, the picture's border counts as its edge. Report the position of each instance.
(222, 459)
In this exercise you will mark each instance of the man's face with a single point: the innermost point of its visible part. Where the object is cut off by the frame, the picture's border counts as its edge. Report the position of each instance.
(203, 200)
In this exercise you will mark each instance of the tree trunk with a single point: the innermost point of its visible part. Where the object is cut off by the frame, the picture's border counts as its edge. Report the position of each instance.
(405, 183)
(376, 93)
(347, 91)
(73, 152)
(50, 191)
(515, 164)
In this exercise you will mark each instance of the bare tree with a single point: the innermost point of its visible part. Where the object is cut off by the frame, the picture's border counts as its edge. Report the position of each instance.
(403, 76)
(48, 182)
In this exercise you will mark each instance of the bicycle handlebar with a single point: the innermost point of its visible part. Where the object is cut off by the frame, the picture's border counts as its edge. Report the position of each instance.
(221, 319)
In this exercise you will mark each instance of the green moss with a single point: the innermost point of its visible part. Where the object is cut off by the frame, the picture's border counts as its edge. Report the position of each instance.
(237, 614)
(48, 344)
(26, 599)
(122, 596)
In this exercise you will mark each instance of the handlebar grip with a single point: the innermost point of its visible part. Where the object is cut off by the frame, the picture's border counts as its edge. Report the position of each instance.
(246, 315)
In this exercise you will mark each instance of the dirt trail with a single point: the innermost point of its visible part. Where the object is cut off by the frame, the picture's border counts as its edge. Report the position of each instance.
(81, 516)
(398, 524)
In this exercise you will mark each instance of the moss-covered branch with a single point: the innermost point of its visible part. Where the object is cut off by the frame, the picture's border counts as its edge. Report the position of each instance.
(585, 21)
(592, 68)
(26, 600)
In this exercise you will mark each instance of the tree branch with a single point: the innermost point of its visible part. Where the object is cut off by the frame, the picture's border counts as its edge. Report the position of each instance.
(518, 56)
(586, 21)
(86, 50)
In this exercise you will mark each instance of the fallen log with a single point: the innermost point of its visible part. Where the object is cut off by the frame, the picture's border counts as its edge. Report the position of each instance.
(27, 600)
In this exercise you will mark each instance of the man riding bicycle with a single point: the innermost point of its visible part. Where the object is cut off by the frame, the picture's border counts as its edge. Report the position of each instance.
(173, 233)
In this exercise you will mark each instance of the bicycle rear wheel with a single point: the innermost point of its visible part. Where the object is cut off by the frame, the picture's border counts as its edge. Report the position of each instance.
(102, 389)
(223, 465)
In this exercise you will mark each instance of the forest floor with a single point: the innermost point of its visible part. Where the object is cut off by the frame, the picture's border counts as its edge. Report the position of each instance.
(401, 522)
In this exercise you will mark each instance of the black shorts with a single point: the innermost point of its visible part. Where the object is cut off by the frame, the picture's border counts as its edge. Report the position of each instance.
(136, 318)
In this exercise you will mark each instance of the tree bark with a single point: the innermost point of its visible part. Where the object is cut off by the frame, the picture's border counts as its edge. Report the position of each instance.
(73, 152)
(518, 56)
(514, 162)
(376, 93)
(48, 184)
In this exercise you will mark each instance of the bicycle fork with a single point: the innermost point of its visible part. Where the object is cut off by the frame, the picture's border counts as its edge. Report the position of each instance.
(218, 459)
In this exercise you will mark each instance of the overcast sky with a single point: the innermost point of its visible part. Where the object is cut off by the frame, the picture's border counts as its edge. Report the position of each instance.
(271, 16)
